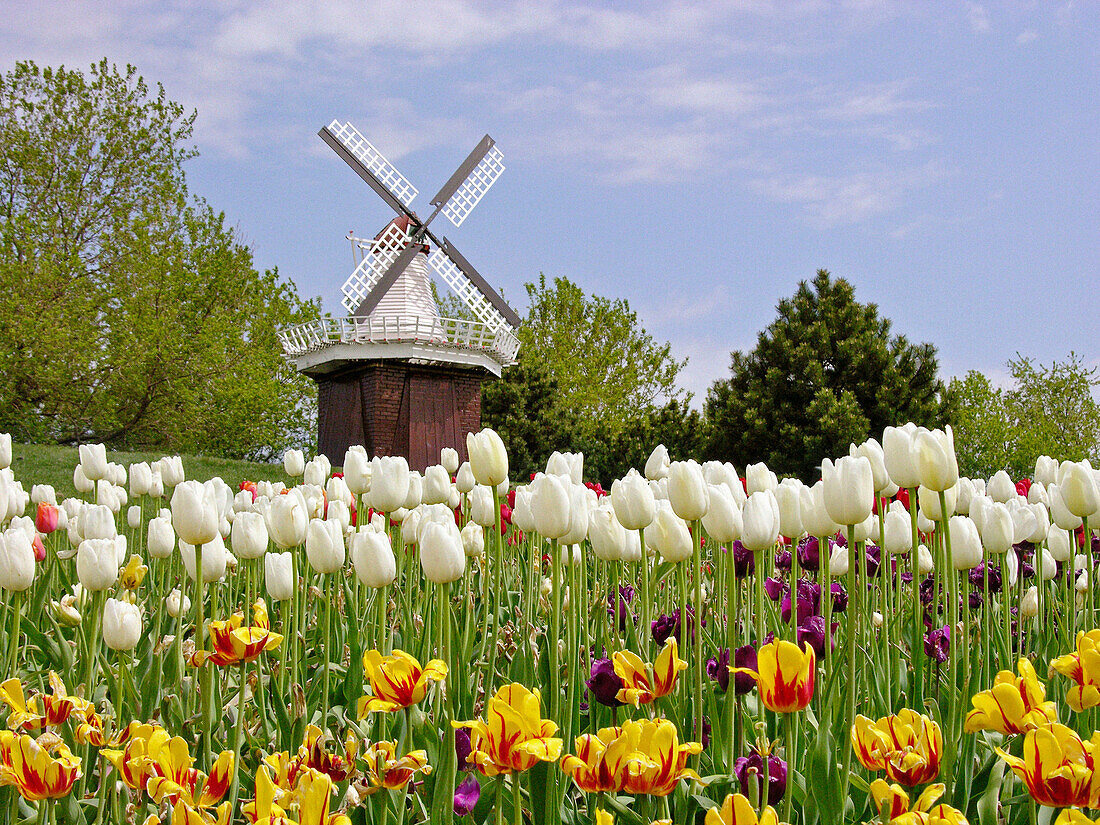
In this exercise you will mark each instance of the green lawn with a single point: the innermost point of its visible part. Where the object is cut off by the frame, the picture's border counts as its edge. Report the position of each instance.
(50, 464)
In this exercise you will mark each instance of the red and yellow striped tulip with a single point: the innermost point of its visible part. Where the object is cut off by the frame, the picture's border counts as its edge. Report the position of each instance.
(312, 755)
(1058, 767)
(664, 761)
(1015, 704)
(134, 762)
(893, 806)
(906, 745)
(643, 683)
(263, 810)
(737, 810)
(397, 681)
(1083, 667)
(33, 771)
(385, 769)
(233, 644)
(784, 675)
(315, 797)
(602, 759)
(25, 714)
(514, 736)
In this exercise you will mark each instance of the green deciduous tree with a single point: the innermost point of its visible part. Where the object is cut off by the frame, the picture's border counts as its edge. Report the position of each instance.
(825, 373)
(132, 314)
(1046, 411)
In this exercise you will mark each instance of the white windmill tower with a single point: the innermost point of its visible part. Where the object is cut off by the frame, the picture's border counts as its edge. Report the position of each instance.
(393, 375)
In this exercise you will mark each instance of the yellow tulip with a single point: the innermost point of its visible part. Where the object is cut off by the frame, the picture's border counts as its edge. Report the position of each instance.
(907, 746)
(640, 688)
(1083, 667)
(602, 759)
(604, 818)
(1013, 705)
(133, 574)
(1058, 767)
(397, 681)
(892, 802)
(263, 810)
(737, 810)
(36, 774)
(315, 794)
(514, 736)
(384, 769)
(784, 675)
(233, 644)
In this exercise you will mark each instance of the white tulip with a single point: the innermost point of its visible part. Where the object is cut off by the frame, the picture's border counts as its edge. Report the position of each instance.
(1058, 543)
(788, 495)
(488, 457)
(16, 561)
(288, 520)
(441, 555)
(966, 546)
(5, 450)
(607, 535)
(178, 604)
(195, 512)
(760, 521)
(723, 519)
(570, 465)
(1000, 487)
(121, 625)
(656, 466)
(633, 501)
(372, 557)
(872, 451)
(93, 461)
(998, 530)
(758, 478)
(550, 500)
(279, 576)
(815, 516)
(481, 506)
(668, 535)
(214, 559)
(97, 564)
(897, 449)
(849, 489)
(687, 491)
(448, 457)
(357, 470)
(160, 538)
(325, 546)
(248, 537)
(473, 540)
(437, 485)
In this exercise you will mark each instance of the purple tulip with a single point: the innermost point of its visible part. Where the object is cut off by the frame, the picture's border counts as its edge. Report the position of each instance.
(626, 597)
(665, 626)
(463, 748)
(604, 684)
(937, 644)
(744, 562)
(750, 773)
(840, 597)
(467, 794)
(783, 559)
(809, 556)
(774, 588)
(718, 669)
(812, 632)
(744, 657)
(977, 576)
(873, 556)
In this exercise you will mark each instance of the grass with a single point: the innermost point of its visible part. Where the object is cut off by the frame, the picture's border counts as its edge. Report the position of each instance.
(51, 464)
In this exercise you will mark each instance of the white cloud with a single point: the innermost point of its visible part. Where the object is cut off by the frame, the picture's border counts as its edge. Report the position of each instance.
(978, 17)
(1027, 36)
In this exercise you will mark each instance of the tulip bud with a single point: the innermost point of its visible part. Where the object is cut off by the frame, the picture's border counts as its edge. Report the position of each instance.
(657, 465)
(898, 530)
(723, 519)
(872, 451)
(760, 521)
(5, 450)
(668, 535)
(195, 515)
(838, 562)
(178, 604)
(997, 529)
(121, 625)
(816, 520)
(568, 465)
(473, 540)
(448, 457)
(325, 546)
(1029, 604)
(1078, 489)
(141, 479)
(897, 450)
(294, 463)
(93, 461)
(389, 483)
(16, 561)
(1000, 487)
(488, 457)
(481, 507)
(81, 482)
(464, 479)
(279, 576)
(372, 557)
(215, 559)
(161, 538)
(288, 520)
(934, 453)
(966, 546)
(436, 486)
(133, 517)
(357, 470)
(1046, 470)
(607, 535)
(1058, 543)
(633, 500)
(248, 537)
(441, 555)
(687, 491)
(97, 564)
(550, 505)
(758, 478)
(929, 501)
(788, 496)
(924, 561)
(848, 489)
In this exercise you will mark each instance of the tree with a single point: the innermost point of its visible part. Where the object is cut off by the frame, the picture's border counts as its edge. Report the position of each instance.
(132, 313)
(605, 363)
(825, 373)
(1047, 411)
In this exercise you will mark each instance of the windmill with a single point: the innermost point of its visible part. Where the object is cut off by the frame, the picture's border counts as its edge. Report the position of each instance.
(393, 375)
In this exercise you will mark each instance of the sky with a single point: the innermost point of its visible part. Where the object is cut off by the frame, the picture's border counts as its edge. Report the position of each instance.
(696, 159)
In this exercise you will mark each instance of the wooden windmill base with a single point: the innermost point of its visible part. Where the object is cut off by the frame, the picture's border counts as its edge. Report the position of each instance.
(398, 408)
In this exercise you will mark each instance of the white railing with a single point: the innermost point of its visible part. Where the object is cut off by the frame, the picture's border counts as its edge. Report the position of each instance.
(447, 333)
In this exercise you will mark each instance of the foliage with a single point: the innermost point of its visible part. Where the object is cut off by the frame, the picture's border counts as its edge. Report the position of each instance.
(132, 314)
(1047, 411)
(607, 366)
(825, 373)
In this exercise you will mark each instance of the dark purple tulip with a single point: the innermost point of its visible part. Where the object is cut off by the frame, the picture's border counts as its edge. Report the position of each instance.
(744, 562)
(774, 588)
(906, 577)
(665, 626)
(604, 684)
(467, 794)
(805, 609)
(874, 560)
(750, 773)
(976, 599)
(938, 643)
(809, 556)
(977, 576)
(744, 657)
(718, 669)
(626, 597)
(812, 632)
(463, 747)
(928, 590)
(840, 597)
(783, 560)
(839, 540)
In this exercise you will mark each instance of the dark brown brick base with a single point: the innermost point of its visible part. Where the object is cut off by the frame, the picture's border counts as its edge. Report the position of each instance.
(395, 408)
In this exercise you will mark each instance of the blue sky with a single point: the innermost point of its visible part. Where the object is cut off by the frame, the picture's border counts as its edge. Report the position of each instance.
(697, 159)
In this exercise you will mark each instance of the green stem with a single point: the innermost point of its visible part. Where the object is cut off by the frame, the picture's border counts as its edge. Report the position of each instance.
(854, 607)
(238, 732)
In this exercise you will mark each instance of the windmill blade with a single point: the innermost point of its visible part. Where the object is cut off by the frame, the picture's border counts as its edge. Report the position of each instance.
(379, 256)
(468, 185)
(387, 278)
(369, 164)
(471, 288)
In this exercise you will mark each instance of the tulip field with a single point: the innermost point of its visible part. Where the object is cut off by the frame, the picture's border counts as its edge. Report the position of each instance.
(894, 643)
